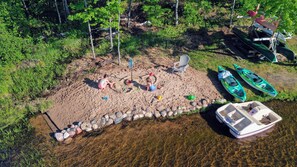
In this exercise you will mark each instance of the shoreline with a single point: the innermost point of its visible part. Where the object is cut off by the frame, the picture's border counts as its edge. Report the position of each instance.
(109, 119)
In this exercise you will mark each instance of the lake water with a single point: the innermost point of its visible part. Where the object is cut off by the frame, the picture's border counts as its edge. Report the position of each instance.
(195, 140)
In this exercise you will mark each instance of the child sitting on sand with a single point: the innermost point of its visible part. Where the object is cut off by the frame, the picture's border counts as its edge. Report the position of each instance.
(149, 83)
(104, 82)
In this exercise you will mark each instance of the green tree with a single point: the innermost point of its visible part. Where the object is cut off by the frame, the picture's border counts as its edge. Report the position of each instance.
(284, 10)
(103, 16)
(194, 12)
(156, 13)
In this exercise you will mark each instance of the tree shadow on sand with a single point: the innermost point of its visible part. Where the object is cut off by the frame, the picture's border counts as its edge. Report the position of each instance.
(210, 117)
(91, 83)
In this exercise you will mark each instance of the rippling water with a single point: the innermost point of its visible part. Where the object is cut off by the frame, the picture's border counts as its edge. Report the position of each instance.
(194, 140)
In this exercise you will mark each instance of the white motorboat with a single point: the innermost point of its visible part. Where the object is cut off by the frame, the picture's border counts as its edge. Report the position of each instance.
(247, 119)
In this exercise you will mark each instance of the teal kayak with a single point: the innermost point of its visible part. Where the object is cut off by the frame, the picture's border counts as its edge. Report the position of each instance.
(231, 84)
(255, 81)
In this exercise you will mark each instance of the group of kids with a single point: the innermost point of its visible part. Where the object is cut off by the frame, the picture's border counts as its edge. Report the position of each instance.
(102, 84)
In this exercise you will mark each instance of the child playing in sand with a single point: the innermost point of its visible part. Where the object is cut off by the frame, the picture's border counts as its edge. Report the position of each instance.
(149, 83)
(104, 82)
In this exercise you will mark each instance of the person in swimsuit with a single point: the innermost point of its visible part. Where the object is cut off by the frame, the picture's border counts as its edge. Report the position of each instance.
(149, 83)
(104, 82)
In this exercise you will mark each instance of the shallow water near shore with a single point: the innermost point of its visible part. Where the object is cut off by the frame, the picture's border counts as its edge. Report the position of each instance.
(194, 140)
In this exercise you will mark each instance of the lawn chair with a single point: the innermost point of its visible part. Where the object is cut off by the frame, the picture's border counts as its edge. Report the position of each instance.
(182, 65)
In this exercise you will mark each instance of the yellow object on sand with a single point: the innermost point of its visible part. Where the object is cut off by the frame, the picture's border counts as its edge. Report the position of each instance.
(159, 97)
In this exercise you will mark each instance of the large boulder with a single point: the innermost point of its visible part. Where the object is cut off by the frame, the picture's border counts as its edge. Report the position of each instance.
(221, 101)
(59, 136)
(128, 118)
(78, 130)
(141, 115)
(112, 116)
(118, 120)
(193, 103)
(102, 122)
(204, 102)
(135, 117)
(124, 115)
(71, 131)
(164, 114)
(95, 126)
(93, 121)
(148, 115)
(86, 126)
(157, 114)
(170, 113)
(149, 109)
(109, 122)
(179, 111)
(106, 117)
(173, 108)
(119, 114)
(175, 113)
(66, 135)
(161, 108)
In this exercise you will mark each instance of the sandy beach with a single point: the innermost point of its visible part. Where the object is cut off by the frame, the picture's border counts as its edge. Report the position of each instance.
(83, 101)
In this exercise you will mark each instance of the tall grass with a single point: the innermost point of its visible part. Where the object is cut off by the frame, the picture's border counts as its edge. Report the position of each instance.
(34, 68)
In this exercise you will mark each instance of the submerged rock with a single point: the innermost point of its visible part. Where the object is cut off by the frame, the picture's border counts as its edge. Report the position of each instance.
(68, 140)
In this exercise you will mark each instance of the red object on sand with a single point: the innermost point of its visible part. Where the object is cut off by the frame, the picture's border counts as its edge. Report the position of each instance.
(151, 74)
(252, 13)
